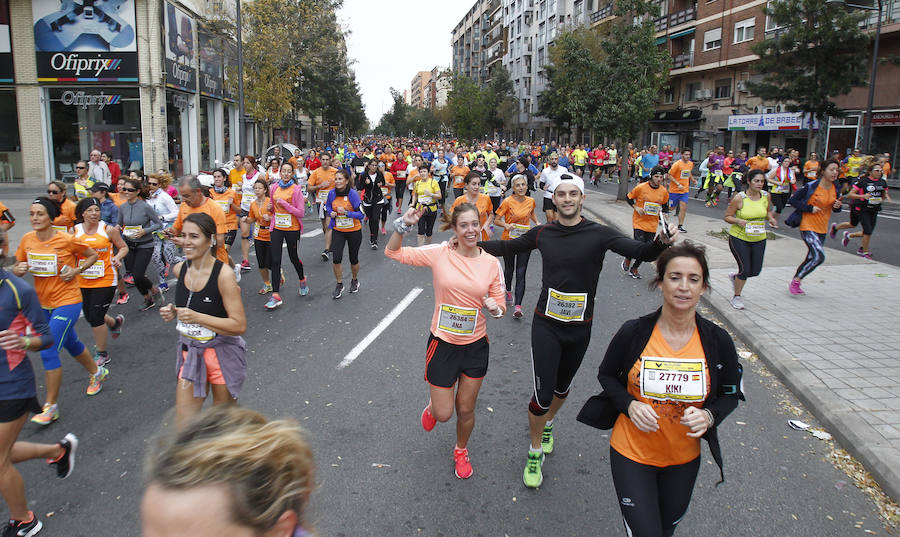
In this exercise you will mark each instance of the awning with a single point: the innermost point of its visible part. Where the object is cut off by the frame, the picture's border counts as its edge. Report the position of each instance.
(660, 40)
(679, 115)
(682, 33)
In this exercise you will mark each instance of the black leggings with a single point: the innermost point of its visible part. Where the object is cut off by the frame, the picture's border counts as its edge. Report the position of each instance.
(557, 350)
(263, 253)
(643, 236)
(352, 238)
(779, 201)
(399, 191)
(95, 303)
(749, 256)
(385, 210)
(426, 223)
(372, 212)
(136, 263)
(653, 500)
(292, 239)
(517, 263)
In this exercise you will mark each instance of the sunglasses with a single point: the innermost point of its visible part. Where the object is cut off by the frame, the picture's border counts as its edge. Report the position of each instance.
(153, 184)
(54, 192)
(126, 189)
(80, 167)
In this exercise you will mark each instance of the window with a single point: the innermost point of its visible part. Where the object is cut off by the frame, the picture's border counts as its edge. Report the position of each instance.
(712, 39)
(771, 26)
(691, 91)
(542, 30)
(552, 7)
(542, 10)
(551, 30)
(579, 12)
(723, 88)
(669, 96)
(743, 30)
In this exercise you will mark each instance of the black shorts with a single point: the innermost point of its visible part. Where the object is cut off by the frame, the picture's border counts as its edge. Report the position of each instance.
(263, 254)
(866, 218)
(230, 236)
(95, 303)
(244, 213)
(549, 205)
(445, 362)
(13, 409)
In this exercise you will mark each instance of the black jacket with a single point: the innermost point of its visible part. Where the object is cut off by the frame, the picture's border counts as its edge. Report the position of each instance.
(371, 191)
(625, 349)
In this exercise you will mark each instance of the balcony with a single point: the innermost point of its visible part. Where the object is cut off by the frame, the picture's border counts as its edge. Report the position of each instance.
(683, 60)
(602, 13)
(683, 16)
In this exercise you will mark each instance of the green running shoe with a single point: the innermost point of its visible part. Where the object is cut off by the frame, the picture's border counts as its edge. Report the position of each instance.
(533, 476)
(547, 440)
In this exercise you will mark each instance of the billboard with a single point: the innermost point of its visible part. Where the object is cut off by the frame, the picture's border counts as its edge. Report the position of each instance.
(181, 50)
(770, 122)
(211, 80)
(85, 40)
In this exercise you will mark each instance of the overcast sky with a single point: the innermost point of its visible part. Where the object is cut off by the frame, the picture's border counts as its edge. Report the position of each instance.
(392, 40)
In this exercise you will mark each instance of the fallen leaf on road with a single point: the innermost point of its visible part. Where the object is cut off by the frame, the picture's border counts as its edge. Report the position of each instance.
(50, 514)
(740, 423)
(380, 465)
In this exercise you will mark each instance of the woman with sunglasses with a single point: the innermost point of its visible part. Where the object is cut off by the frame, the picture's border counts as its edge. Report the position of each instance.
(165, 252)
(98, 281)
(56, 192)
(867, 194)
(138, 221)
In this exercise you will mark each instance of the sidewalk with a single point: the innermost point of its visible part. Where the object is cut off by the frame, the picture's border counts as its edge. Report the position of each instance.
(837, 348)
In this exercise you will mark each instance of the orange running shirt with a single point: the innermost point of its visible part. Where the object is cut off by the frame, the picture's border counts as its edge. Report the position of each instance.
(823, 198)
(45, 259)
(460, 285)
(261, 227)
(485, 208)
(101, 273)
(681, 177)
(66, 218)
(225, 201)
(459, 174)
(212, 209)
(672, 381)
(517, 213)
(320, 176)
(810, 169)
(758, 163)
(652, 200)
(284, 220)
(388, 190)
(343, 222)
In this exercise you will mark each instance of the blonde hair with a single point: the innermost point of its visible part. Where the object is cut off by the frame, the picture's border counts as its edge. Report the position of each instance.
(448, 221)
(267, 466)
(165, 179)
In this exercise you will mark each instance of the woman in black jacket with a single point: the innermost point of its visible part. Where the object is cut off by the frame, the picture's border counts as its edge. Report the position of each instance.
(669, 379)
(369, 184)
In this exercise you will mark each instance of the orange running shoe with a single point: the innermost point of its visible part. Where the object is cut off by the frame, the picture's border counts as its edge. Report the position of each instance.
(428, 421)
(463, 465)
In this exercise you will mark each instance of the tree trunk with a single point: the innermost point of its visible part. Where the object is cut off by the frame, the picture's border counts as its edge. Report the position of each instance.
(810, 139)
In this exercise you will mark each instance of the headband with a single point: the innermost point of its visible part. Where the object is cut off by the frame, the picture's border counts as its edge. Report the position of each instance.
(52, 209)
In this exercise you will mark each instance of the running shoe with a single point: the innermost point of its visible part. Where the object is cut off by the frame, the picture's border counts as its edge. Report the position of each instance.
(715, 202)
(547, 439)
(859, 251)
(865, 255)
(123, 298)
(463, 465)
(709, 204)
(245, 265)
(846, 239)
(635, 274)
(324, 255)
(509, 297)
(101, 359)
(97, 379)
(274, 302)
(626, 264)
(266, 289)
(304, 289)
(428, 421)
(533, 477)
(48, 415)
(338, 291)
(832, 231)
(129, 279)
(148, 304)
(354, 286)
(237, 273)
(373, 245)
(65, 463)
(794, 288)
(20, 528)
(383, 231)
(518, 313)
(282, 277)
(737, 302)
(116, 330)
(681, 229)
(163, 287)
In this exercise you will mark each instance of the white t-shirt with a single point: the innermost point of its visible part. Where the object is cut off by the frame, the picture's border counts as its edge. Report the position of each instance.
(551, 179)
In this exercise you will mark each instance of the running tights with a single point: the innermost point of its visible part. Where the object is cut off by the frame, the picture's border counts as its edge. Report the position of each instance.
(557, 350)
(643, 236)
(292, 239)
(749, 256)
(352, 239)
(816, 255)
(399, 191)
(372, 213)
(653, 500)
(136, 263)
(779, 201)
(164, 252)
(517, 263)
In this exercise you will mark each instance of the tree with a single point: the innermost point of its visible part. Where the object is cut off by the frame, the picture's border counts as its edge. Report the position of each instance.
(470, 107)
(818, 52)
(395, 122)
(504, 105)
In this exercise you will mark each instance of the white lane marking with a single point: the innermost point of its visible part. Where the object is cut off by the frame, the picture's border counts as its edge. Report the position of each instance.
(373, 335)
(313, 233)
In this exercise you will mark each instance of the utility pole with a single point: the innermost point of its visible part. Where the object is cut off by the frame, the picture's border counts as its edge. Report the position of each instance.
(242, 131)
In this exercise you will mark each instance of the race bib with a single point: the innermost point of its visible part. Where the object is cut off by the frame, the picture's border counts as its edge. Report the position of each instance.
(42, 265)
(457, 320)
(255, 230)
(343, 222)
(224, 204)
(673, 379)
(425, 199)
(779, 189)
(854, 169)
(565, 307)
(401, 174)
(457, 179)
(651, 208)
(194, 331)
(685, 174)
(755, 229)
(322, 196)
(385, 191)
(248, 199)
(493, 191)
(282, 220)
(360, 169)
(94, 271)
(518, 230)
(64, 229)
(130, 231)
(718, 173)
(811, 174)
(875, 200)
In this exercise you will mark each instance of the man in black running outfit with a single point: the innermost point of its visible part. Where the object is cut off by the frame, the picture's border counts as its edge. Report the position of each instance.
(572, 251)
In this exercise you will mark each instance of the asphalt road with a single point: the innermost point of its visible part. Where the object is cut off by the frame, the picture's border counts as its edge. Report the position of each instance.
(885, 245)
(379, 473)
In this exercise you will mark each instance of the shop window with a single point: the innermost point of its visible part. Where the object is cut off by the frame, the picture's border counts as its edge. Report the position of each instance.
(10, 150)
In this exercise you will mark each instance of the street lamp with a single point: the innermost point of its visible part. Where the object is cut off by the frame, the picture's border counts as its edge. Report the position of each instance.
(867, 132)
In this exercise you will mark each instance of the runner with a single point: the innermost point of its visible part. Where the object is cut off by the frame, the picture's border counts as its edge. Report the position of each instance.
(854, 167)
(440, 170)
(648, 199)
(288, 205)
(867, 193)
(810, 168)
(399, 171)
(465, 281)
(109, 211)
(138, 221)
(549, 177)
(655, 442)
(260, 217)
(53, 260)
(747, 213)
(98, 282)
(572, 251)
(815, 202)
(495, 184)
(459, 171)
(164, 251)
(211, 320)
(781, 179)
(246, 196)
(321, 181)
(195, 201)
(222, 193)
(386, 191)
(371, 185)
(24, 328)
(515, 214)
(679, 186)
(715, 177)
(474, 196)
(343, 207)
(56, 192)
(579, 156)
(425, 198)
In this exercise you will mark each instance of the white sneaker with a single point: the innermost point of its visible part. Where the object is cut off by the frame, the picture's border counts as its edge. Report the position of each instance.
(737, 302)
(237, 273)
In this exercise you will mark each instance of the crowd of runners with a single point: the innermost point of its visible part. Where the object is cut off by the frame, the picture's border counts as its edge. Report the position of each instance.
(89, 243)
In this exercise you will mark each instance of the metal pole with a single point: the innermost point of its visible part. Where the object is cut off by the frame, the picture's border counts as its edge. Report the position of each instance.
(867, 133)
(242, 131)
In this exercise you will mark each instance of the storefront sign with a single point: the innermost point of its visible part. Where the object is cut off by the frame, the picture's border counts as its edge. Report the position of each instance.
(886, 119)
(6, 59)
(230, 72)
(211, 82)
(85, 40)
(181, 52)
(181, 101)
(769, 122)
(84, 100)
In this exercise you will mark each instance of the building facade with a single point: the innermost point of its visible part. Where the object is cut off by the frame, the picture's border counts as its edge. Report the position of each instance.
(469, 39)
(418, 88)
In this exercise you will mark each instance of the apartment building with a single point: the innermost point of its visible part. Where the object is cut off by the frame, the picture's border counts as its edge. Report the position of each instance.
(438, 88)
(469, 38)
(418, 87)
